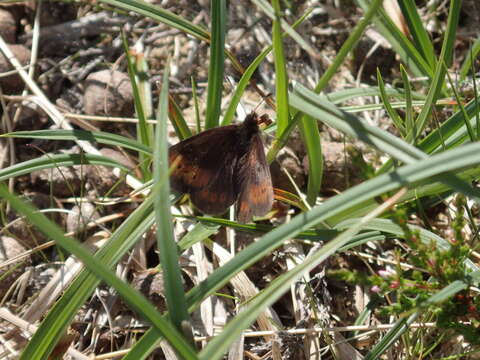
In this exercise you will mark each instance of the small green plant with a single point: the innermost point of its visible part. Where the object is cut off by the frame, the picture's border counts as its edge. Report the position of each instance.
(431, 269)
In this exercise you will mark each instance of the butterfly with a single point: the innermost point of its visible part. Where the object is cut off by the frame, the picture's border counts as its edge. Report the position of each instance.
(224, 165)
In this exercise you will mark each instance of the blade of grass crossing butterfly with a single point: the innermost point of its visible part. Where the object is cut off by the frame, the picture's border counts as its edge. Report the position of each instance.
(169, 261)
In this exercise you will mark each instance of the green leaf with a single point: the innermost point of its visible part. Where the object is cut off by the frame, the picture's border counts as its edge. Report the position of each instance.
(467, 63)
(410, 125)
(281, 77)
(396, 119)
(92, 136)
(164, 16)
(217, 63)
(144, 131)
(419, 34)
(446, 57)
(56, 161)
(169, 260)
(313, 145)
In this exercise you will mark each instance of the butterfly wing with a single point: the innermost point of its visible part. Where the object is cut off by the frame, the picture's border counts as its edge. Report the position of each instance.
(204, 166)
(254, 182)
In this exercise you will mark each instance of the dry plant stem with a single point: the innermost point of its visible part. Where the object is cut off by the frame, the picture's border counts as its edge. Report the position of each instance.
(12, 72)
(276, 349)
(237, 348)
(53, 112)
(318, 330)
(202, 265)
(344, 349)
(29, 329)
(300, 301)
(386, 261)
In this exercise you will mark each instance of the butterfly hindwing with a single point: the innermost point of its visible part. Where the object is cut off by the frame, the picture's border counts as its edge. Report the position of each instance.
(254, 182)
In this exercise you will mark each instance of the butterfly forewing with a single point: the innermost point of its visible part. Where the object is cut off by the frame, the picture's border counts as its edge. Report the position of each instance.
(253, 182)
(204, 166)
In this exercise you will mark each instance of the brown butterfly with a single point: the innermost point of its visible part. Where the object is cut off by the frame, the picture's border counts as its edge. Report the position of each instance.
(222, 165)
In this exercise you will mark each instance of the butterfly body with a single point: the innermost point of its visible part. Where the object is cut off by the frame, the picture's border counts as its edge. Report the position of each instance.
(222, 165)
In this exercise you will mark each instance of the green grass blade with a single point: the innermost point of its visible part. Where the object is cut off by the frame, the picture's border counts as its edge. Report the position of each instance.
(199, 233)
(402, 325)
(450, 128)
(389, 227)
(419, 34)
(57, 160)
(410, 125)
(217, 63)
(446, 57)
(161, 15)
(220, 344)
(281, 140)
(73, 135)
(195, 102)
(451, 132)
(452, 160)
(316, 106)
(392, 335)
(313, 145)
(245, 79)
(470, 131)
(430, 189)
(396, 119)
(349, 94)
(308, 127)
(467, 63)
(281, 78)
(169, 261)
(242, 85)
(270, 12)
(143, 129)
(178, 121)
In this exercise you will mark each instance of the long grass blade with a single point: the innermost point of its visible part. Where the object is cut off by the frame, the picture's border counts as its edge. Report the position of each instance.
(217, 63)
(169, 261)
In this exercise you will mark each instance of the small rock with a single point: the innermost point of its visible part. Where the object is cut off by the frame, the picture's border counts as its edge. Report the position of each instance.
(13, 83)
(8, 26)
(80, 216)
(108, 92)
(103, 180)
(339, 172)
(10, 248)
(29, 235)
(63, 181)
(150, 284)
